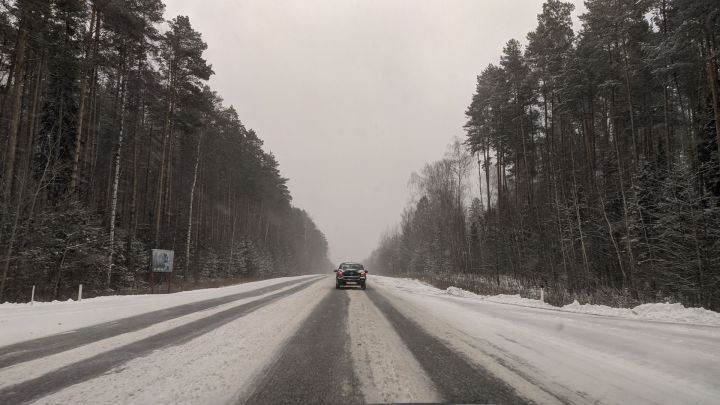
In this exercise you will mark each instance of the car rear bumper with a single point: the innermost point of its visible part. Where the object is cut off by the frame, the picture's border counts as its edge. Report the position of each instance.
(351, 281)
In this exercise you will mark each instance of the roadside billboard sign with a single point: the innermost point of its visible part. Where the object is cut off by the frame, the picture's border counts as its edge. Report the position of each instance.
(162, 260)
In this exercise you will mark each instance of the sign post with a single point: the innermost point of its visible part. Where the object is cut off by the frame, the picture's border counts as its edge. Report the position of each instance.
(162, 262)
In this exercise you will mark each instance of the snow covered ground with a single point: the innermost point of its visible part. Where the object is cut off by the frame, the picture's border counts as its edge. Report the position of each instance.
(19, 322)
(659, 354)
(666, 312)
(214, 368)
(659, 312)
(620, 357)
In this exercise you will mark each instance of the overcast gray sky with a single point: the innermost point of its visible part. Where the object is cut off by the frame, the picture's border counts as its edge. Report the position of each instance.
(353, 96)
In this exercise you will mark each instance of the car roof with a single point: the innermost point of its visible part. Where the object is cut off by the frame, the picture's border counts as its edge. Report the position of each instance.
(350, 263)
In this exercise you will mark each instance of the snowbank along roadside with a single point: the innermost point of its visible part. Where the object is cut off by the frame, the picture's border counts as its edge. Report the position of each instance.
(656, 312)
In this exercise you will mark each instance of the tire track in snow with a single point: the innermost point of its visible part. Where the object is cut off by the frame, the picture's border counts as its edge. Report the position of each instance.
(37, 348)
(458, 380)
(29, 370)
(104, 362)
(315, 365)
(219, 367)
(386, 369)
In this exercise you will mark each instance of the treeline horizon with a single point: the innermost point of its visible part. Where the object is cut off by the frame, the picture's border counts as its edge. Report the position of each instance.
(114, 144)
(597, 154)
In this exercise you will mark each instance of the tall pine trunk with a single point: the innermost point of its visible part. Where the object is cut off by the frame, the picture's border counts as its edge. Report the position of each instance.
(190, 209)
(81, 111)
(116, 181)
(712, 70)
(163, 161)
(16, 107)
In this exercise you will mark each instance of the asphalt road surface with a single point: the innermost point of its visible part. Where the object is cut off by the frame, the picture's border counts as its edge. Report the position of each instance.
(303, 341)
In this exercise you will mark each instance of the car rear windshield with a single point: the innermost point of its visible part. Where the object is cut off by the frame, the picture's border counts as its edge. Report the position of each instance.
(351, 266)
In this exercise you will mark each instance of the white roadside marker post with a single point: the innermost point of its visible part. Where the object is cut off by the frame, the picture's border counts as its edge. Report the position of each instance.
(80, 293)
(32, 296)
(542, 294)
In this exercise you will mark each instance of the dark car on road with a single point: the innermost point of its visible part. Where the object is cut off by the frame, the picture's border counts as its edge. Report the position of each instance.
(350, 273)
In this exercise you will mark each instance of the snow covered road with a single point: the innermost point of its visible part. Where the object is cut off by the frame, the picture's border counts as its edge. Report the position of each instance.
(298, 340)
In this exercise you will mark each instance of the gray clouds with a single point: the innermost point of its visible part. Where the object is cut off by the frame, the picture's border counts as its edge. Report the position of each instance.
(353, 96)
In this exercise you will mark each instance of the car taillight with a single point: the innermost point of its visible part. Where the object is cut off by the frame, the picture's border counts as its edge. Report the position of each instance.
(339, 274)
(362, 274)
